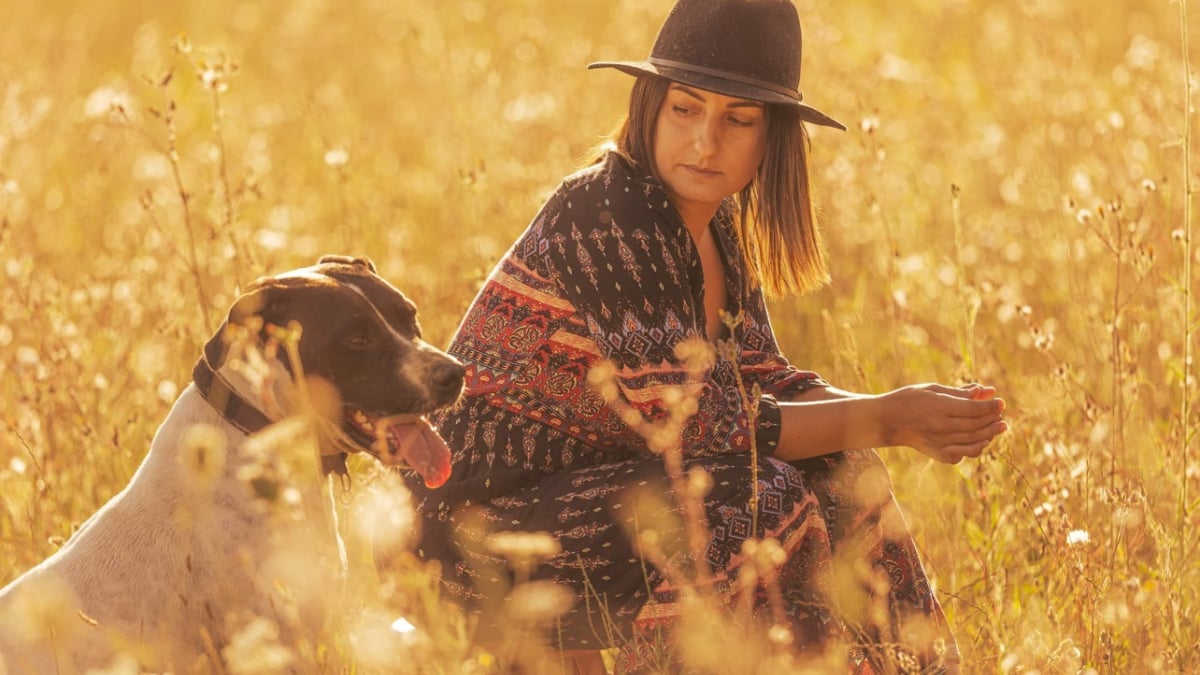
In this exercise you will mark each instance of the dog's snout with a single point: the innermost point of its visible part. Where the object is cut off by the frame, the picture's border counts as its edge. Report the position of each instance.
(448, 378)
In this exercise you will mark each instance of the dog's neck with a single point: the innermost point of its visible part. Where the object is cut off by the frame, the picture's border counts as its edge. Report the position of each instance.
(250, 406)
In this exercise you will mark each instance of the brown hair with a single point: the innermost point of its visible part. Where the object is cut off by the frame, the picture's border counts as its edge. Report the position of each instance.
(776, 218)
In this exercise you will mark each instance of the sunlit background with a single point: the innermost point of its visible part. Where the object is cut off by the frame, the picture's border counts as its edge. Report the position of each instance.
(1007, 206)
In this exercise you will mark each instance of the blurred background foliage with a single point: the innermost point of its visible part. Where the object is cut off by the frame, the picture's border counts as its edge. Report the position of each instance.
(1008, 206)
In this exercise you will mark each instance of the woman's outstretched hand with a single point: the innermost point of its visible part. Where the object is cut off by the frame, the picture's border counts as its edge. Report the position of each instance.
(946, 423)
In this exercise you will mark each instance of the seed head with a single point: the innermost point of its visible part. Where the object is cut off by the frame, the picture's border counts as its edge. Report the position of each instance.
(202, 453)
(538, 602)
(524, 546)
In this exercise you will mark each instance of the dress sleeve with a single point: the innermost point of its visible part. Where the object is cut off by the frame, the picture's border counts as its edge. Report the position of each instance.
(631, 271)
(761, 360)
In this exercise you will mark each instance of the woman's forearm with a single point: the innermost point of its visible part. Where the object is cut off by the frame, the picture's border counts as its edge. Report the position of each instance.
(827, 422)
(823, 394)
(946, 423)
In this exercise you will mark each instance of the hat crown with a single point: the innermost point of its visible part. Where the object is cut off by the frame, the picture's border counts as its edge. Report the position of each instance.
(752, 40)
(742, 48)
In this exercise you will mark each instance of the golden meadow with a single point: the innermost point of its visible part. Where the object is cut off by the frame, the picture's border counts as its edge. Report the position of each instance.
(1009, 206)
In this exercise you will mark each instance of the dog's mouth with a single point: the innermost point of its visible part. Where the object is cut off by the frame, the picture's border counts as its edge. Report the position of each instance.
(403, 440)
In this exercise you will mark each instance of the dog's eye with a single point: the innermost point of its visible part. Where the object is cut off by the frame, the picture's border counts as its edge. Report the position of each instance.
(360, 340)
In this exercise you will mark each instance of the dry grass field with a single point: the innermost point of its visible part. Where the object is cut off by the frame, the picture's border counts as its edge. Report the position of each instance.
(1010, 205)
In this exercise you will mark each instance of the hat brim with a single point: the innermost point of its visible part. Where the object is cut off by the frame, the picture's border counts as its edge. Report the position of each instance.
(721, 86)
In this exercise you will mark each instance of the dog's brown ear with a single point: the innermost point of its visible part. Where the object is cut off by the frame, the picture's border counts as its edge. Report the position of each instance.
(361, 261)
(266, 301)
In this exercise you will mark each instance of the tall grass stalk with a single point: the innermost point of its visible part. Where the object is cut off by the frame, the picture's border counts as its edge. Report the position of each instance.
(966, 346)
(1182, 535)
(227, 211)
(170, 151)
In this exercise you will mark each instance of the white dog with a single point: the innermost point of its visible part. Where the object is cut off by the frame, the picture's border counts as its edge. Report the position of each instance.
(163, 569)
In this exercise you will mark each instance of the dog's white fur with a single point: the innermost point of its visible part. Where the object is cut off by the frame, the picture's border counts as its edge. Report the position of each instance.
(172, 565)
(162, 548)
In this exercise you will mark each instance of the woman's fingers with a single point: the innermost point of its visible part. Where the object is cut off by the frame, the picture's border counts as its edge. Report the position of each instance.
(974, 390)
(953, 445)
(954, 450)
(980, 392)
(947, 423)
(964, 437)
(970, 407)
(986, 432)
(957, 453)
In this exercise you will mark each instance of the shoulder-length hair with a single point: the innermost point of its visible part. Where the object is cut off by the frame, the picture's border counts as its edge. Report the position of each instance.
(775, 214)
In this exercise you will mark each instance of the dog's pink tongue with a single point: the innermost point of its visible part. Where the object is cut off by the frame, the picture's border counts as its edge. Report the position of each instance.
(418, 445)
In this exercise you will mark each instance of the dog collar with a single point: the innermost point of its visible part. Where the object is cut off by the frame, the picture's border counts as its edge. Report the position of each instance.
(241, 414)
(231, 407)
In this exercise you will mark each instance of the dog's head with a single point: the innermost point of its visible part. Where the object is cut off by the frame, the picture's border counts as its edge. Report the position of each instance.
(359, 335)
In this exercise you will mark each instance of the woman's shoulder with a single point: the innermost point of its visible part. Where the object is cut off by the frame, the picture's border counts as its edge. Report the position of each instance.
(611, 174)
(612, 188)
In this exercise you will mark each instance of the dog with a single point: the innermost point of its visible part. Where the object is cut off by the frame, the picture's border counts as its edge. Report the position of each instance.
(163, 566)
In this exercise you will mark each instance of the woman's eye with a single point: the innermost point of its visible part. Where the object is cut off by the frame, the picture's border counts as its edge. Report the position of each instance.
(739, 122)
(681, 110)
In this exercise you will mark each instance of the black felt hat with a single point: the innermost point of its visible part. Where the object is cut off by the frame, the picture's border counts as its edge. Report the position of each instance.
(744, 48)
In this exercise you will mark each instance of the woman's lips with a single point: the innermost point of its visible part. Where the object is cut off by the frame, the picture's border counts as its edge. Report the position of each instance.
(701, 171)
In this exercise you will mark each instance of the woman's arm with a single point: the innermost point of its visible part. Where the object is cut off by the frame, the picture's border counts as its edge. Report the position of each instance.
(946, 423)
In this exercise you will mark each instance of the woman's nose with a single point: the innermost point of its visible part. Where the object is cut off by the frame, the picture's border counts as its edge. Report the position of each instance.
(707, 136)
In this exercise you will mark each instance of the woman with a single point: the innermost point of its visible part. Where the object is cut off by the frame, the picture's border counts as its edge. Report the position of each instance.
(703, 203)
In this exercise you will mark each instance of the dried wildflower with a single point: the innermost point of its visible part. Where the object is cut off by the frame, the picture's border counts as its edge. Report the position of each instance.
(167, 391)
(696, 355)
(45, 607)
(603, 378)
(1083, 216)
(268, 451)
(27, 356)
(213, 78)
(402, 625)
(1042, 340)
(780, 635)
(256, 649)
(648, 539)
(202, 454)
(630, 417)
(336, 157)
(765, 554)
(1149, 185)
(699, 483)
(1078, 537)
(181, 44)
(538, 602)
(523, 550)
(105, 100)
(383, 514)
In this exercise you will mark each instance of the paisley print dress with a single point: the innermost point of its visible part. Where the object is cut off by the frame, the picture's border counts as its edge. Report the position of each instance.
(608, 271)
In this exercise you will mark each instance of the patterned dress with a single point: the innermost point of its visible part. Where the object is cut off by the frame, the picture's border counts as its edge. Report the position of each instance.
(608, 271)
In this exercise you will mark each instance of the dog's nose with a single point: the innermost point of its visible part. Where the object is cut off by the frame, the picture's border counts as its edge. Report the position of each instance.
(448, 378)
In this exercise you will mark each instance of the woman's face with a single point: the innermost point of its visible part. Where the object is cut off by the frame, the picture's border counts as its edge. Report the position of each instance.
(707, 146)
